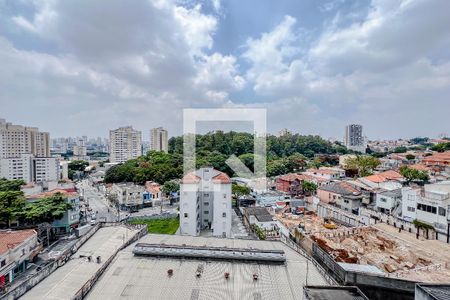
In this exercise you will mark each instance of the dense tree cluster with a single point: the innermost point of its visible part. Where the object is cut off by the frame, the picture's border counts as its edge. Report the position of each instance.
(411, 174)
(14, 207)
(441, 147)
(288, 153)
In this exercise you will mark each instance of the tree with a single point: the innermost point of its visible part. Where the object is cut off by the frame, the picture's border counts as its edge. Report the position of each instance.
(43, 210)
(11, 199)
(410, 156)
(170, 187)
(400, 149)
(363, 164)
(411, 174)
(239, 190)
(309, 187)
(76, 166)
(441, 147)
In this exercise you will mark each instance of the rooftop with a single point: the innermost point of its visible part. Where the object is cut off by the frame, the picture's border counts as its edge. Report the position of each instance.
(64, 192)
(137, 277)
(437, 291)
(261, 213)
(334, 293)
(384, 176)
(217, 177)
(10, 239)
(342, 188)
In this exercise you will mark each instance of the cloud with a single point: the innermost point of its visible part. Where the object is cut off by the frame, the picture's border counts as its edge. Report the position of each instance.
(137, 64)
(380, 72)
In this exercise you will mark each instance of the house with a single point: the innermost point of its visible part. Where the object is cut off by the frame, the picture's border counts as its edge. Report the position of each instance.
(17, 249)
(440, 160)
(388, 201)
(326, 173)
(428, 204)
(205, 203)
(270, 198)
(292, 183)
(259, 216)
(71, 218)
(97, 177)
(342, 195)
(129, 195)
(388, 180)
(152, 195)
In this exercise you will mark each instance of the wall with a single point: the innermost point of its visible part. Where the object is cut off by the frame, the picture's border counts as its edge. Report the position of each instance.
(25, 286)
(188, 209)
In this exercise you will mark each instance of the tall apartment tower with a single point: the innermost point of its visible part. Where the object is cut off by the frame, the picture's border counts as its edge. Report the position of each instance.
(125, 144)
(16, 140)
(205, 203)
(354, 139)
(159, 140)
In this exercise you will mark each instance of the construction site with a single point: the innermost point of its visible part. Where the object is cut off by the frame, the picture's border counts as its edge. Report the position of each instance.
(396, 257)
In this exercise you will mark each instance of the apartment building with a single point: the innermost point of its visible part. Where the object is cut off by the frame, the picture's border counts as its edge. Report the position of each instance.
(354, 139)
(429, 204)
(30, 169)
(159, 140)
(16, 140)
(125, 144)
(205, 203)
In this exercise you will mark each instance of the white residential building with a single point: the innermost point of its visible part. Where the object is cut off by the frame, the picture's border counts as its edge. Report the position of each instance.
(354, 139)
(125, 144)
(205, 203)
(30, 168)
(16, 140)
(430, 204)
(389, 202)
(159, 140)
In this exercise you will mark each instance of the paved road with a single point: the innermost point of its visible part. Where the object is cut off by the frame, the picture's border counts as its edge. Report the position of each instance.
(97, 202)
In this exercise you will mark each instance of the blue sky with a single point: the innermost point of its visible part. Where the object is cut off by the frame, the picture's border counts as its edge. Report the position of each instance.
(84, 67)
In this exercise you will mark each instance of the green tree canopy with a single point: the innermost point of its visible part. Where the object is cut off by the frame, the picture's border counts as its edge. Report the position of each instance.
(170, 186)
(411, 174)
(46, 209)
(363, 164)
(239, 190)
(309, 187)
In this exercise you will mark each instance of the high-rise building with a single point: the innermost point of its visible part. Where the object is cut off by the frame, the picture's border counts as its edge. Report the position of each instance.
(354, 139)
(125, 144)
(16, 140)
(80, 150)
(159, 140)
(205, 203)
(30, 168)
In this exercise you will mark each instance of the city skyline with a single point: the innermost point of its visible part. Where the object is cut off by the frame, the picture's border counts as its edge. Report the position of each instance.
(316, 66)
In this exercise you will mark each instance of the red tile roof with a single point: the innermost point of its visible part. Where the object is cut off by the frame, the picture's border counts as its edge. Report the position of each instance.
(221, 178)
(152, 187)
(190, 178)
(384, 176)
(10, 239)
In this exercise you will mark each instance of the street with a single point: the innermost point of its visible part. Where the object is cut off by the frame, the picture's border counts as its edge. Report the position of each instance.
(98, 203)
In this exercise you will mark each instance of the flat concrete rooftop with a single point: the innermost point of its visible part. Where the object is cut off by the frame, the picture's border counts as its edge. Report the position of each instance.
(65, 281)
(136, 277)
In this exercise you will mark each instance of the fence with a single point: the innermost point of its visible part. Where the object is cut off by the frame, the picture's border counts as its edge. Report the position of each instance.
(28, 284)
(374, 217)
(84, 290)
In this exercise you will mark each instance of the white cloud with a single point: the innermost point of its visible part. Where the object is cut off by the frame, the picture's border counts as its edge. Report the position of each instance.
(137, 64)
(380, 72)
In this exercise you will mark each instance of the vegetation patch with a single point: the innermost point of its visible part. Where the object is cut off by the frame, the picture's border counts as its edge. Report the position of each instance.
(161, 226)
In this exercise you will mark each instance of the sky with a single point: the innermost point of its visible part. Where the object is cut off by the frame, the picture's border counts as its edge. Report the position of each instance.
(83, 67)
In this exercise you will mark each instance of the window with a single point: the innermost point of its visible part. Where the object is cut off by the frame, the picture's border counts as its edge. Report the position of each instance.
(206, 203)
(383, 199)
(185, 215)
(442, 211)
(411, 209)
(427, 208)
(224, 196)
(3, 263)
(206, 212)
(224, 215)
